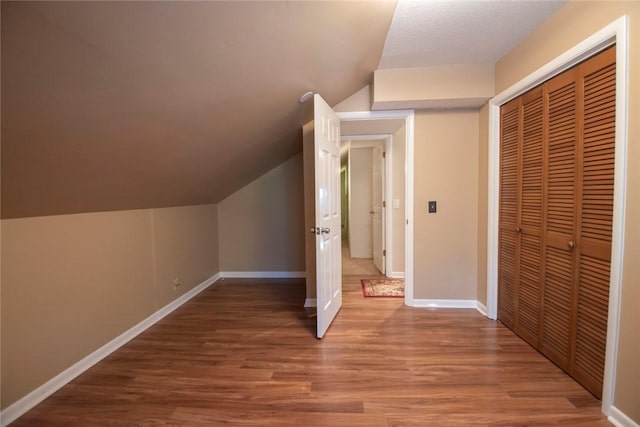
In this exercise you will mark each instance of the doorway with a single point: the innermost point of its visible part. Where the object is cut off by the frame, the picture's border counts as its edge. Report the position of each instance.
(364, 225)
(373, 162)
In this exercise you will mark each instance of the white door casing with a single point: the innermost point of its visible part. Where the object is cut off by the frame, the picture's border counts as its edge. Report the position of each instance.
(327, 214)
(378, 208)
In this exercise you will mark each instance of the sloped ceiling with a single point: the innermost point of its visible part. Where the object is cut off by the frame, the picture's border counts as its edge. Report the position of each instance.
(125, 105)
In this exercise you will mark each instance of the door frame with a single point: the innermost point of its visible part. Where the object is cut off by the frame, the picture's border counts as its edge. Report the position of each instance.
(387, 230)
(616, 32)
(408, 116)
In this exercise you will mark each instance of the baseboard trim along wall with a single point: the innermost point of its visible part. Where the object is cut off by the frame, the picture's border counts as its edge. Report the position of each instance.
(445, 303)
(620, 419)
(263, 274)
(18, 408)
(481, 308)
(396, 275)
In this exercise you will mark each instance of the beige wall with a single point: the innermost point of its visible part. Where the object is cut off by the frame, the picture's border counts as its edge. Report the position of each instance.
(567, 27)
(72, 283)
(397, 190)
(483, 201)
(359, 101)
(446, 170)
(444, 86)
(262, 225)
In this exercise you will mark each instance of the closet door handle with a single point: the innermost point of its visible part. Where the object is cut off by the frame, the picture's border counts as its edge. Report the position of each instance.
(518, 230)
(571, 244)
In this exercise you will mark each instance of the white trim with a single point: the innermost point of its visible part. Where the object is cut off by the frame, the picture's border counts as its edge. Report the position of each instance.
(396, 275)
(616, 32)
(481, 308)
(408, 212)
(388, 210)
(21, 406)
(373, 137)
(408, 116)
(620, 419)
(310, 302)
(263, 274)
(445, 303)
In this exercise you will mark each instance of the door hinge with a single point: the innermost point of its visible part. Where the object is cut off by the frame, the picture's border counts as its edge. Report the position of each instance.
(384, 252)
(384, 204)
(384, 154)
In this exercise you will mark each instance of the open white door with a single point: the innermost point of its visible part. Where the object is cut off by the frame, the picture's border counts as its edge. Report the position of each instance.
(322, 156)
(378, 209)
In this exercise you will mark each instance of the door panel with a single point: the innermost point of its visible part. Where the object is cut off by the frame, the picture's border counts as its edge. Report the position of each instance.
(327, 214)
(594, 245)
(561, 180)
(508, 247)
(530, 219)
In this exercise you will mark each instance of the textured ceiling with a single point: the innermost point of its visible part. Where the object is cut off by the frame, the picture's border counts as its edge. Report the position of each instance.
(426, 33)
(124, 105)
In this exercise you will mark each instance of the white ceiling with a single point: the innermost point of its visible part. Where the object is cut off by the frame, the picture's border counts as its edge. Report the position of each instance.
(428, 33)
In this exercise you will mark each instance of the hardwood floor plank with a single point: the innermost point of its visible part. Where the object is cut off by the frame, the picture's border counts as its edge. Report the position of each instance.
(244, 353)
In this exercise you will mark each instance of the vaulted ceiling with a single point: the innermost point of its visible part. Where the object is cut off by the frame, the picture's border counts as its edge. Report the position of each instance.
(126, 105)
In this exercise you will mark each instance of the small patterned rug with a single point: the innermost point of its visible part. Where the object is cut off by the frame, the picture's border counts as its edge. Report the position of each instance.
(390, 288)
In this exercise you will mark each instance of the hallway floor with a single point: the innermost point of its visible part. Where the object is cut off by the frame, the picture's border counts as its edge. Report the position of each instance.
(357, 266)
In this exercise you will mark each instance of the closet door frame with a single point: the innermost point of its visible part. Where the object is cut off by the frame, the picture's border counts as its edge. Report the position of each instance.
(616, 32)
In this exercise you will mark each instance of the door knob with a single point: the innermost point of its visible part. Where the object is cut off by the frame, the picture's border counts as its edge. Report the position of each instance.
(315, 230)
(325, 230)
(571, 244)
(518, 230)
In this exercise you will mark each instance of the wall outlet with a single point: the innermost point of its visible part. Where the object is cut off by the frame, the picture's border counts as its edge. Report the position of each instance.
(176, 283)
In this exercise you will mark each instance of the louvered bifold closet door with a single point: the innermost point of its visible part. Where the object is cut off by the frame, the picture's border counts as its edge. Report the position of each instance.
(529, 229)
(594, 245)
(560, 218)
(556, 216)
(510, 130)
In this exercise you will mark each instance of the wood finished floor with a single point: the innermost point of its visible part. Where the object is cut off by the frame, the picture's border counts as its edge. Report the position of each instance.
(244, 353)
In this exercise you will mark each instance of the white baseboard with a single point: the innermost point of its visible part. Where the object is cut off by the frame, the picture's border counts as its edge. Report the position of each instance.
(396, 275)
(620, 419)
(18, 408)
(263, 274)
(311, 302)
(481, 308)
(445, 303)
